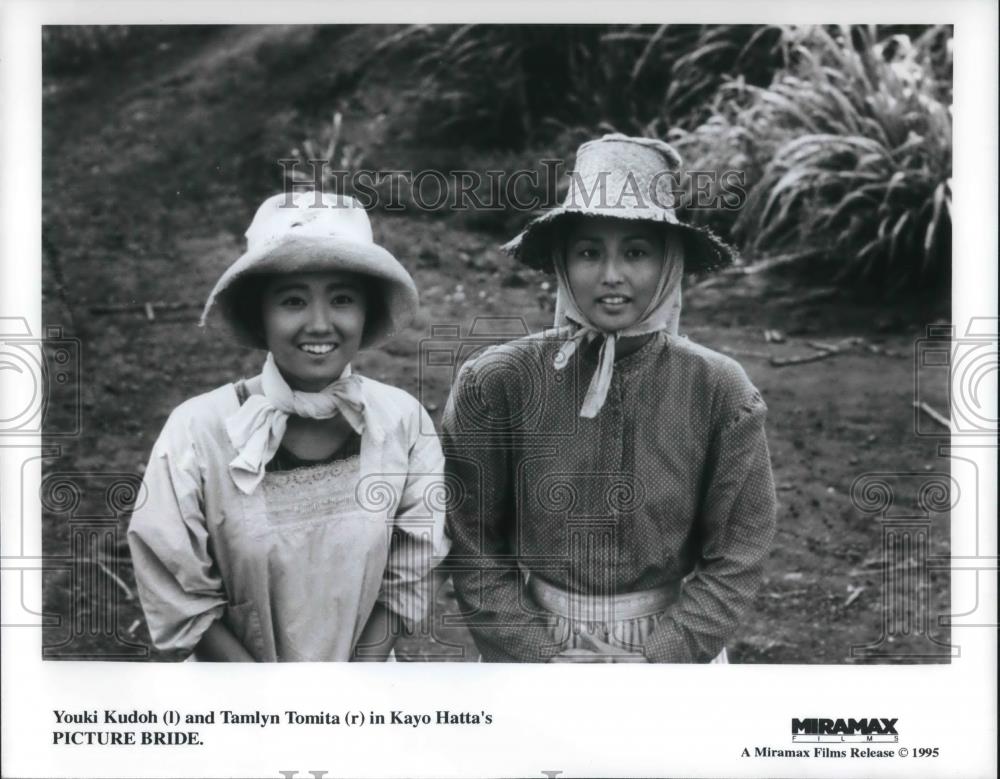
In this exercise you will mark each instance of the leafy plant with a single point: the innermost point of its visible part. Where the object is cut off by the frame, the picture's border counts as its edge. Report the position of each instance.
(700, 58)
(323, 159)
(847, 155)
(512, 86)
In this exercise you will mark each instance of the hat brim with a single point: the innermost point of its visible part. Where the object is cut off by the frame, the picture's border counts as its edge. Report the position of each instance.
(311, 254)
(703, 250)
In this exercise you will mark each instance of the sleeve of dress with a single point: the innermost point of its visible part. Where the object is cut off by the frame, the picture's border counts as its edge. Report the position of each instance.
(179, 584)
(737, 528)
(419, 539)
(479, 462)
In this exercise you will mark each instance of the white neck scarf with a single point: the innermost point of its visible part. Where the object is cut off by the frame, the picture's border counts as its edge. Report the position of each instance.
(257, 428)
(663, 313)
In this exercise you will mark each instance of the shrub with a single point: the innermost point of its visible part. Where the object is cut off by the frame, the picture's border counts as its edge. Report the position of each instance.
(847, 155)
(512, 86)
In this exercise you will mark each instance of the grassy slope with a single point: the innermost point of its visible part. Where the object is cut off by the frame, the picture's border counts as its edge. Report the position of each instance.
(151, 172)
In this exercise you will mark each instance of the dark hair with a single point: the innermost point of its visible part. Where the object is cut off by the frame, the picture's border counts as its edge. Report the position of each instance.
(376, 307)
(244, 301)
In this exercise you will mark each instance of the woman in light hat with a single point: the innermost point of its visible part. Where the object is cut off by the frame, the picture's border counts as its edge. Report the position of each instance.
(618, 500)
(289, 516)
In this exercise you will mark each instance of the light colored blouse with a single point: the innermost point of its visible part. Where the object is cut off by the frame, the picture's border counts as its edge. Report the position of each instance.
(295, 568)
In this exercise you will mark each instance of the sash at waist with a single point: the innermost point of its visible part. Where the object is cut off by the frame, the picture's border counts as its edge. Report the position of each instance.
(602, 608)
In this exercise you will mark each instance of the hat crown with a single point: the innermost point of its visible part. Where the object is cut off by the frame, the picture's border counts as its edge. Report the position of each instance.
(311, 213)
(625, 178)
(314, 232)
(621, 172)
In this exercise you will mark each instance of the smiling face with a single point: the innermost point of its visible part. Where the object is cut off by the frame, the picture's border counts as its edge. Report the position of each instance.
(313, 323)
(613, 267)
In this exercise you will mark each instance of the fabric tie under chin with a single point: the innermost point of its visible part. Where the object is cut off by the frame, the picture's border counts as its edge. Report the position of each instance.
(663, 313)
(256, 430)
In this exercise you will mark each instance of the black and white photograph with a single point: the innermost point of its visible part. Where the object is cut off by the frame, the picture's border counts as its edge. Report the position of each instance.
(790, 185)
(479, 351)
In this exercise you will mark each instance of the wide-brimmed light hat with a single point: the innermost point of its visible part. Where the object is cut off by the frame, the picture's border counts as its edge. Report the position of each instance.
(625, 178)
(314, 231)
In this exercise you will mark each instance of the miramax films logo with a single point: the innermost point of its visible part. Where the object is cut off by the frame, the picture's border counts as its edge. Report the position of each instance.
(866, 730)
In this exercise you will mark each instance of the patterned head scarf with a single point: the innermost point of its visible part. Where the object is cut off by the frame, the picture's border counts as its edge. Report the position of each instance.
(663, 313)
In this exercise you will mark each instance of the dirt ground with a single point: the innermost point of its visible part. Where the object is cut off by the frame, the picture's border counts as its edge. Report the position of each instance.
(152, 169)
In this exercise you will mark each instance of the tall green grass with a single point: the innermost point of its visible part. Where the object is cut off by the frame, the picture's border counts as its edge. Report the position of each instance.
(513, 86)
(842, 135)
(847, 157)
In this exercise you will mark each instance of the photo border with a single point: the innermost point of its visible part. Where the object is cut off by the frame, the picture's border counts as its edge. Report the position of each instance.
(548, 720)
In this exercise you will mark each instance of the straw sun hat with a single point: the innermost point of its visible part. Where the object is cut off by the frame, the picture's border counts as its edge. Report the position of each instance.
(625, 178)
(313, 232)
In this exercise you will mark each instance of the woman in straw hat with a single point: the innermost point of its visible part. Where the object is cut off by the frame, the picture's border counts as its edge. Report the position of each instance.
(618, 500)
(286, 517)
